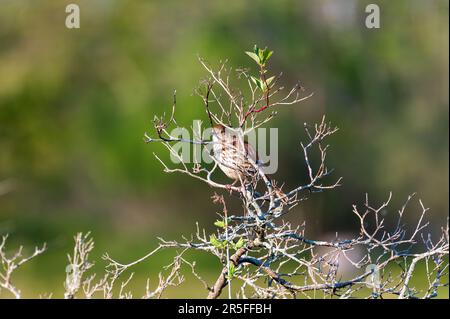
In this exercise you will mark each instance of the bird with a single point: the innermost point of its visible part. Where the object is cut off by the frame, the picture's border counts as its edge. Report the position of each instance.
(235, 157)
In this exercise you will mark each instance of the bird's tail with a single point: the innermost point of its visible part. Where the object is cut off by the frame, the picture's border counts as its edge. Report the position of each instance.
(278, 192)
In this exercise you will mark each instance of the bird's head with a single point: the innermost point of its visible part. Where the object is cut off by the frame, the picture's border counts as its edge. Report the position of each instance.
(218, 129)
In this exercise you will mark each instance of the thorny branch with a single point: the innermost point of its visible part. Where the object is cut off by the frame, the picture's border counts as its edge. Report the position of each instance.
(10, 263)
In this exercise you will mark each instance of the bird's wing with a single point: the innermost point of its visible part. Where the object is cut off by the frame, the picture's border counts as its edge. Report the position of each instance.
(251, 152)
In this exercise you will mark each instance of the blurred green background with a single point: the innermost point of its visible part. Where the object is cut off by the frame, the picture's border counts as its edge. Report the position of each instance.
(74, 105)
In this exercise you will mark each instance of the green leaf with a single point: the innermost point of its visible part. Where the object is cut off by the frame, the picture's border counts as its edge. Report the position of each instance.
(253, 56)
(266, 55)
(216, 243)
(231, 271)
(261, 84)
(256, 49)
(219, 223)
(257, 82)
(261, 55)
(240, 243)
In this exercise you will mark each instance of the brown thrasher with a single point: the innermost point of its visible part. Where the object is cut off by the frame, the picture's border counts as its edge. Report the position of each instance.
(237, 158)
